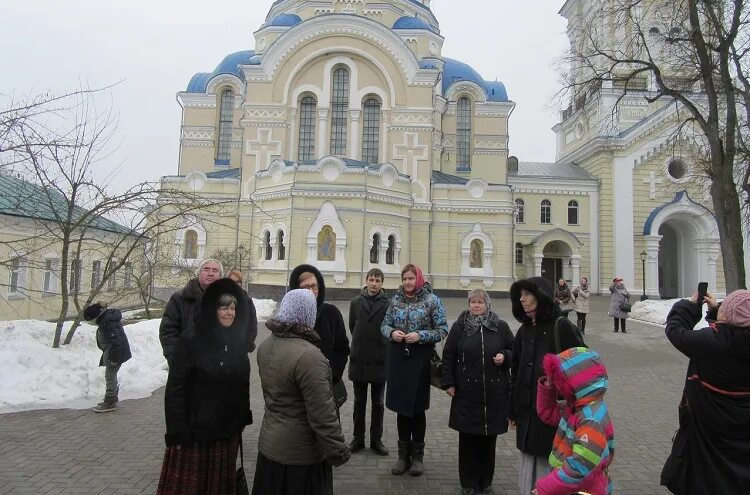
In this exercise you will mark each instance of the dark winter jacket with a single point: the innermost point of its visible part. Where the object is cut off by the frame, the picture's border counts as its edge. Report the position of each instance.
(111, 338)
(532, 342)
(408, 366)
(329, 324)
(300, 425)
(369, 348)
(179, 317)
(208, 388)
(563, 295)
(717, 395)
(480, 405)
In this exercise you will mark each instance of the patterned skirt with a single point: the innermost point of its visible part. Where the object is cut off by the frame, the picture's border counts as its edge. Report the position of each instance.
(200, 469)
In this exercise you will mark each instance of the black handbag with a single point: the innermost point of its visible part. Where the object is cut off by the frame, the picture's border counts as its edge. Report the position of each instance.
(436, 370)
(339, 393)
(241, 483)
(674, 474)
(626, 307)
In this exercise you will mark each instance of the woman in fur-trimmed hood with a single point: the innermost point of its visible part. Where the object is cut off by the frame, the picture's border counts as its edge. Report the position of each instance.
(533, 304)
(301, 435)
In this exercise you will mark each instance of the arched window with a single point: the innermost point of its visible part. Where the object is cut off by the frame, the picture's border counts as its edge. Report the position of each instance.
(463, 134)
(375, 248)
(520, 210)
(267, 245)
(190, 247)
(327, 244)
(371, 131)
(226, 113)
(546, 216)
(475, 254)
(572, 212)
(306, 147)
(339, 110)
(390, 252)
(519, 253)
(280, 249)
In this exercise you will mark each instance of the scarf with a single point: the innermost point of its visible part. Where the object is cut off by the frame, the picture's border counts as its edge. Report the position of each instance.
(474, 323)
(419, 282)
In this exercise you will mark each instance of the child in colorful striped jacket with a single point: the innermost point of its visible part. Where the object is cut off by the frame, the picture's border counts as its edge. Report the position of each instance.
(584, 444)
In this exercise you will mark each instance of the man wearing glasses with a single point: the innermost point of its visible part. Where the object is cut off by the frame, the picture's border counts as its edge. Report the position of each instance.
(329, 325)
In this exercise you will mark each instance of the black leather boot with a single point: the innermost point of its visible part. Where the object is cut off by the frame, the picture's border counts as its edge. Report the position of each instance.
(417, 458)
(403, 462)
(376, 445)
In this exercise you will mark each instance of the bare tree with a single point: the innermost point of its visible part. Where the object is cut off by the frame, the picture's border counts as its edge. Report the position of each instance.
(689, 54)
(59, 154)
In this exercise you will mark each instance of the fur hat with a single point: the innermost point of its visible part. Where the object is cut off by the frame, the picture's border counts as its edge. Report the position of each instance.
(93, 311)
(298, 307)
(736, 308)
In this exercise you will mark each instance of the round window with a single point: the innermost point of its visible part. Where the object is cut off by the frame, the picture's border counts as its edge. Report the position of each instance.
(676, 169)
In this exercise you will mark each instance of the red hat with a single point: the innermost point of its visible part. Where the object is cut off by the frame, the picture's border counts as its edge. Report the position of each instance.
(616, 279)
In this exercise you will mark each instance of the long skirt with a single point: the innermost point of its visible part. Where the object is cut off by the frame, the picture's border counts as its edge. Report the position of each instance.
(274, 478)
(200, 469)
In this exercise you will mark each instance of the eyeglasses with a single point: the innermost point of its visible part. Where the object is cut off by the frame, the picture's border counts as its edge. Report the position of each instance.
(310, 286)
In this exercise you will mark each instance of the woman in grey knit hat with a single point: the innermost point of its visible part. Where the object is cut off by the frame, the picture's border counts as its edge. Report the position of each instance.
(301, 435)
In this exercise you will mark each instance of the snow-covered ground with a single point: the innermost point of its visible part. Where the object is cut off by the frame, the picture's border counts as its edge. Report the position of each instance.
(33, 375)
(655, 311)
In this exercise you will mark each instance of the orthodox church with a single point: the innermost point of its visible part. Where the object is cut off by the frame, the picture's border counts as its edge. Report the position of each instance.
(347, 139)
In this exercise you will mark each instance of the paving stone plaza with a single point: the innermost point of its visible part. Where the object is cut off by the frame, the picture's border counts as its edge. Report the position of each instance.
(80, 452)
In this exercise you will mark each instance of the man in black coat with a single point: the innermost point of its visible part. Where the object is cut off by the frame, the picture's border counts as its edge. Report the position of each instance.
(329, 325)
(367, 361)
(533, 304)
(179, 315)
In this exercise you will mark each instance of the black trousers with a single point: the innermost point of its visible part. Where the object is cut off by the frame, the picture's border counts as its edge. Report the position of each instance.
(476, 460)
(411, 429)
(617, 324)
(377, 407)
(581, 321)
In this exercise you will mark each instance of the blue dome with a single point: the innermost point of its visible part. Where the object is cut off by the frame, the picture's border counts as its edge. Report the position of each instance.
(409, 22)
(455, 71)
(230, 65)
(285, 20)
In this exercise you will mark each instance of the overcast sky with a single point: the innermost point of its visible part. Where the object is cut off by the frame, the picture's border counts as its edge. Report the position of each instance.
(155, 46)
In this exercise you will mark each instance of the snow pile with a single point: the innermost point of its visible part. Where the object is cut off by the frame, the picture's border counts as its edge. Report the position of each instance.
(36, 376)
(656, 311)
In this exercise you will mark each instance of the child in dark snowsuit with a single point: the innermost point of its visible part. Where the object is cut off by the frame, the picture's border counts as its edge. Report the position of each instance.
(111, 339)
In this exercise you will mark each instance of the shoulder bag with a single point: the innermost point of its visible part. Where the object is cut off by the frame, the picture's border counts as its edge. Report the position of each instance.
(241, 483)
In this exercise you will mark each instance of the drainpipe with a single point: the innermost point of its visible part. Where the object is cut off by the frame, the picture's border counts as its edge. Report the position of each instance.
(291, 225)
(182, 123)
(364, 223)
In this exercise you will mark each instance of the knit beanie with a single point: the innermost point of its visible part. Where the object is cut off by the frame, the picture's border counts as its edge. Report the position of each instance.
(93, 311)
(736, 308)
(298, 307)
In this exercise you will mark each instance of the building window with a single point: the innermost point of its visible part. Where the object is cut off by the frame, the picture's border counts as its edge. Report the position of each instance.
(676, 169)
(475, 254)
(307, 115)
(371, 131)
(267, 246)
(280, 250)
(190, 249)
(463, 134)
(127, 279)
(111, 275)
(51, 269)
(390, 252)
(572, 212)
(339, 111)
(546, 216)
(519, 253)
(327, 244)
(96, 274)
(226, 115)
(375, 248)
(520, 210)
(17, 275)
(75, 276)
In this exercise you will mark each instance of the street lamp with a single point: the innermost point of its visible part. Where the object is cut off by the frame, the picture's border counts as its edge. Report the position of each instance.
(644, 255)
(241, 251)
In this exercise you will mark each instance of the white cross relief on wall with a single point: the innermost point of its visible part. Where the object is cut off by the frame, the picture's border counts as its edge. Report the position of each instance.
(410, 153)
(263, 149)
(652, 181)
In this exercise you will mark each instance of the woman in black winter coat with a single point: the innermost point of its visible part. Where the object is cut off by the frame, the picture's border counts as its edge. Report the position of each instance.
(476, 374)
(533, 304)
(207, 399)
(711, 451)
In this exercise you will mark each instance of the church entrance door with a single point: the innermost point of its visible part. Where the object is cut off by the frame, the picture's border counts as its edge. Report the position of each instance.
(552, 269)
